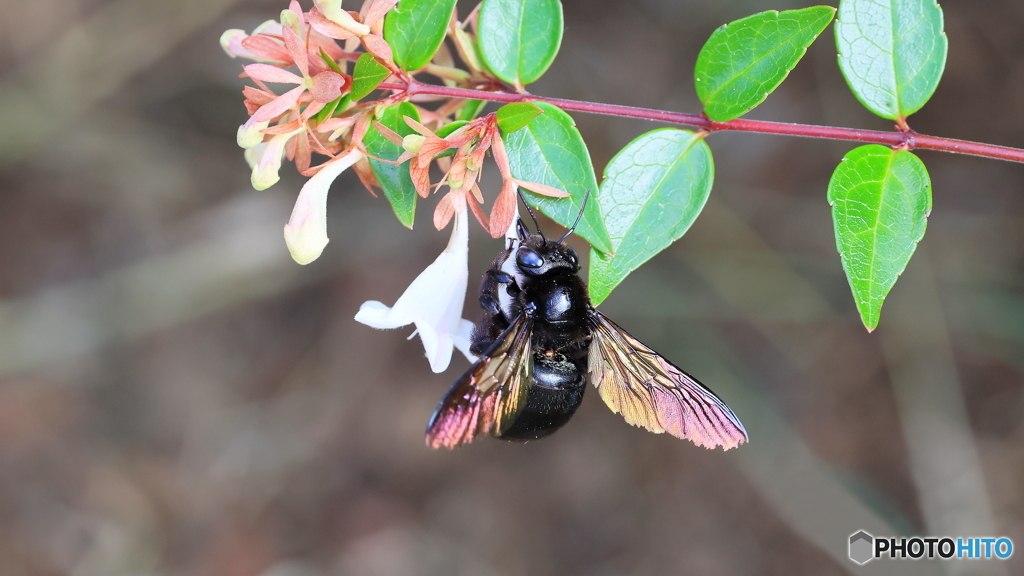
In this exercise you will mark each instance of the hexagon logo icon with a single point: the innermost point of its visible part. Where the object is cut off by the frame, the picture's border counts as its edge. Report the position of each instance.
(861, 544)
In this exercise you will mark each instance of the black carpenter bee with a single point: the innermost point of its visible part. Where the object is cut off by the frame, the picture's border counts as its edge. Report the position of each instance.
(540, 341)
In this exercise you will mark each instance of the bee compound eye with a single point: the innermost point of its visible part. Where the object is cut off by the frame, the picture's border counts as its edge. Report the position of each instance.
(529, 258)
(572, 256)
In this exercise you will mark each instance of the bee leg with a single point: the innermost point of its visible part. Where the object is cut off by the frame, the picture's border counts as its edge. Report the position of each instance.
(487, 329)
(490, 326)
(499, 276)
(489, 303)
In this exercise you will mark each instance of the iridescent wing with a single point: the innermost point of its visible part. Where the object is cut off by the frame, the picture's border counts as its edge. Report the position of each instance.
(650, 392)
(489, 396)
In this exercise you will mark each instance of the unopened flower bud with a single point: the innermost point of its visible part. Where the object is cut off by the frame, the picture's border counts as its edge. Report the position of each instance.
(231, 42)
(291, 20)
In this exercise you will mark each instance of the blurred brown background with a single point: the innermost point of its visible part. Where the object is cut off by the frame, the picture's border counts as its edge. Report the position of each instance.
(177, 397)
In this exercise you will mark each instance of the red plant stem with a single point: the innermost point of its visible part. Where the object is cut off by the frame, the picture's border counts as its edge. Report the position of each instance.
(905, 139)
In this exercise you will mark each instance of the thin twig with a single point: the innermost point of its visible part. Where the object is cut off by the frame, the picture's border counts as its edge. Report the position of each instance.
(904, 139)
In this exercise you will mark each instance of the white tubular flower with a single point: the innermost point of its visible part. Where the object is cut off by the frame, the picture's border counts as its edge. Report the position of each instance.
(265, 170)
(333, 11)
(231, 42)
(253, 155)
(433, 302)
(249, 134)
(306, 231)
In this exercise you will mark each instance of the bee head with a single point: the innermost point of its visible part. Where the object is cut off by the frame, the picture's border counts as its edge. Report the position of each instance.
(537, 256)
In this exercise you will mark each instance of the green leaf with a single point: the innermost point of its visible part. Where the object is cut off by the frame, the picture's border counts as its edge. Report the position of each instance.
(551, 151)
(519, 38)
(468, 48)
(471, 109)
(338, 104)
(447, 129)
(330, 62)
(746, 60)
(366, 75)
(892, 53)
(880, 201)
(394, 179)
(653, 190)
(415, 30)
(516, 116)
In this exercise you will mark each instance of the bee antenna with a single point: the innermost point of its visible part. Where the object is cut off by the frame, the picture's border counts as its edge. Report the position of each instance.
(530, 210)
(579, 216)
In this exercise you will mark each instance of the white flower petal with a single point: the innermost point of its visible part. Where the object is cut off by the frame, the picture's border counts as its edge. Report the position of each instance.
(333, 11)
(436, 345)
(377, 315)
(272, 27)
(329, 8)
(265, 171)
(464, 339)
(306, 231)
(249, 134)
(433, 302)
(231, 42)
(253, 155)
(512, 232)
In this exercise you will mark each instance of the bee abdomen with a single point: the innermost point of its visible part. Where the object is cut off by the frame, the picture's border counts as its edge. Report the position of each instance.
(559, 383)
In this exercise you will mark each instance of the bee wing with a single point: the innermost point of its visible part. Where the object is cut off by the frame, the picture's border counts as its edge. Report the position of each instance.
(489, 396)
(650, 392)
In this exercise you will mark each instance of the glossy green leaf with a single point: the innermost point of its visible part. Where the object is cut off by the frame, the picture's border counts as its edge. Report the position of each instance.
(336, 105)
(892, 53)
(394, 179)
(415, 30)
(519, 38)
(653, 190)
(746, 60)
(447, 129)
(880, 201)
(516, 116)
(367, 75)
(326, 58)
(471, 109)
(551, 151)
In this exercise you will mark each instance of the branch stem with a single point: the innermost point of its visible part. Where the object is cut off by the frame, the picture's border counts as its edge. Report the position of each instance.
(905, 139)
